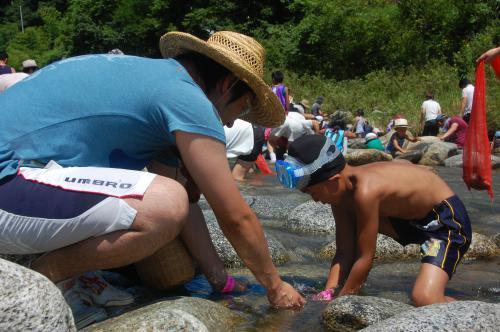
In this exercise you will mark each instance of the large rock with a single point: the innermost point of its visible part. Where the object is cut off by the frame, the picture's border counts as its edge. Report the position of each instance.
(453, 316)
(227, 252)
(356, 143)
(183, 314)
(356, 157)
(274, 207)
(311, 217)
(481, 246)
(437, 153)
(387, 248)
(412, 156)
(457, 161)
(30, 302)
(424, 143)
(352, 313)
(496, 238)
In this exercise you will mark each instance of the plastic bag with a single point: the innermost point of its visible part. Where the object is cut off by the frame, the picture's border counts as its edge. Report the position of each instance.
(476, 155)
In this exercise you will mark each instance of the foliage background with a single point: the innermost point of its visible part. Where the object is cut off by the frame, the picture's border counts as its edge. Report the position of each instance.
(378, 55)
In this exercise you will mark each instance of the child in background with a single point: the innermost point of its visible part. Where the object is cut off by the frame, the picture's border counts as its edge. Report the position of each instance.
(405, 202)
(372, 142)
(395, 146)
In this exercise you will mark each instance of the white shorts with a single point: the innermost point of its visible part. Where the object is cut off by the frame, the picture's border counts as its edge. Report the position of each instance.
(45, 209)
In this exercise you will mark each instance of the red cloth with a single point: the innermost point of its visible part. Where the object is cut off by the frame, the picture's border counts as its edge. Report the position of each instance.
(476, 157)
(496, 66)
(262, 165)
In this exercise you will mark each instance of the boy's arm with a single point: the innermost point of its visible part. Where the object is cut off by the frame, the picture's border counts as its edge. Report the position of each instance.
(397, 147)
(345, 238)
(367, 219)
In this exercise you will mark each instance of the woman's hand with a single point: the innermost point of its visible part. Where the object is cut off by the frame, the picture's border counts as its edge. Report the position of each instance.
(285, 297)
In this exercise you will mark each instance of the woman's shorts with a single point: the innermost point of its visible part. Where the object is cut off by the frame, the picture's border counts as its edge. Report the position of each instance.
(45, 209)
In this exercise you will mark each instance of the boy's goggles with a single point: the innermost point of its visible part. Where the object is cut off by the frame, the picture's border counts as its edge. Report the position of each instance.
(293, 174)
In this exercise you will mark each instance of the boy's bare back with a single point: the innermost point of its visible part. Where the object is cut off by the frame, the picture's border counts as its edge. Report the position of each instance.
(399, 190)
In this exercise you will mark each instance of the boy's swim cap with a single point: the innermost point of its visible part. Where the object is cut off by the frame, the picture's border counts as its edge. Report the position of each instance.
(306, 149)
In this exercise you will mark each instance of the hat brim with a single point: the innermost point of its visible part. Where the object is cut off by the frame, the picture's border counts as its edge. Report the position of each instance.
(268, 112)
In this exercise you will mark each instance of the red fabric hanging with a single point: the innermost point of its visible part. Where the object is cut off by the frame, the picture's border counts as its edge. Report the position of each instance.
(476, 154)
(496, 66)
(262, 165)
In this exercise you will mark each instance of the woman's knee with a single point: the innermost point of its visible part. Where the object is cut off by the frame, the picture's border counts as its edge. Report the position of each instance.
(164, 206)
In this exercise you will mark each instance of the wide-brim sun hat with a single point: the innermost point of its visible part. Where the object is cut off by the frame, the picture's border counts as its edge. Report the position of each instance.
(243, 56)
(305, 103)
(400, 123)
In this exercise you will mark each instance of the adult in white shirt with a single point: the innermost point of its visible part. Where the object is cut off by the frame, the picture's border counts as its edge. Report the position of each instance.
(8, 80)
(430, 110)
(467, 98)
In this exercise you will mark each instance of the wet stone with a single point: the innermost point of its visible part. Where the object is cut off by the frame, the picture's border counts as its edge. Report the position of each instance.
(387, 249)
(176, 314)
(457, 161)
(481, 246)
(437, 153)
(356, 157)
(311, 217)
(412, 156)
(30, 302)
(452, 316)
(228, 254)
(352, 313)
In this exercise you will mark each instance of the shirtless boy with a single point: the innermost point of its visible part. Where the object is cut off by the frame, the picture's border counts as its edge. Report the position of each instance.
(394, 199)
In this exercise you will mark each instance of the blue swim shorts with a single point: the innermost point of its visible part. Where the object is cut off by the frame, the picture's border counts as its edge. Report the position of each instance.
(444, 234)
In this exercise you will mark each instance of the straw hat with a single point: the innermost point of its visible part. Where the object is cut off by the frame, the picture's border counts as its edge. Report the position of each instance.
(305, 103)
(243, 56)
(400, 123)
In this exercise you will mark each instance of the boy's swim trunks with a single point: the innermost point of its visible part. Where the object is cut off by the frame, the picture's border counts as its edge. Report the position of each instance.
(444, 234)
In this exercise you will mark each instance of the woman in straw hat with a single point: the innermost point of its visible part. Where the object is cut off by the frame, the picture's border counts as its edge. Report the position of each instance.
(86, 202)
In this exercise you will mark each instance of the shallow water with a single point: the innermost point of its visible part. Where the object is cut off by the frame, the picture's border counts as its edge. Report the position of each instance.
(474, 280)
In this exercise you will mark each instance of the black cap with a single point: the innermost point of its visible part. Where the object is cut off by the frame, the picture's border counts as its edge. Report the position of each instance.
(307, 149)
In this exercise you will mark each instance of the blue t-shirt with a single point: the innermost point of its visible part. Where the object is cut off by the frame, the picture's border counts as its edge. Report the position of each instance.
(102, 110)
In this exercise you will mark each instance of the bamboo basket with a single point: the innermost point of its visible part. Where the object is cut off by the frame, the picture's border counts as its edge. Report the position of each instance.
(169, 267)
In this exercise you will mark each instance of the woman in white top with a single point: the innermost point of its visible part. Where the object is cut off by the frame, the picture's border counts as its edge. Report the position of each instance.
(430, 110)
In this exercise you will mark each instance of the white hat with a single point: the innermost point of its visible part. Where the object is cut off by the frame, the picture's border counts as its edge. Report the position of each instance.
(29, 63)
(370, 136)
(400, 123)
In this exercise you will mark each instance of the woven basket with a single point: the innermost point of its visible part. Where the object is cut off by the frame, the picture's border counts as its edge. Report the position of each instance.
(169, 267)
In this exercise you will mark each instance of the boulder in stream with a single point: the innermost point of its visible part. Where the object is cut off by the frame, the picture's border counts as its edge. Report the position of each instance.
(481, 246)
(311, 217)
(452, 316)
(356, 157)
(352, 312)
(387, 249)
(181, 314)
(30, 302)
(437, 153)
(227, 252)
(457, 161)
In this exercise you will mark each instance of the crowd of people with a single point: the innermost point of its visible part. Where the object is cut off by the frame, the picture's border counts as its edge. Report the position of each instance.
(103, 159)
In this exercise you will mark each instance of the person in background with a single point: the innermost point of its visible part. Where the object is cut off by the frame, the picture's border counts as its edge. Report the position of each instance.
(406, 202)
(455, 127)
(467, 99)
(359, 123)
(397, 141)
(316, 107)
(280, 89)
(4, 67)
(29, 66)
(338, 134)
(430, 110)
(8, 80)
(372, 142)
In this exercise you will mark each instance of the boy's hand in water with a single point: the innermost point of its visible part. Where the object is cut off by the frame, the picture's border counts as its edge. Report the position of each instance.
(240, 286)
(285, 297)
